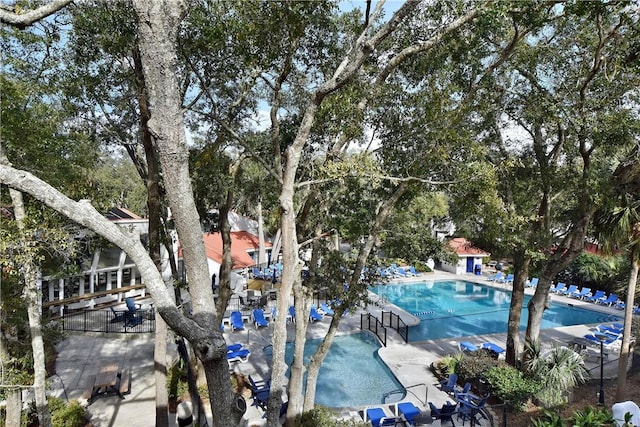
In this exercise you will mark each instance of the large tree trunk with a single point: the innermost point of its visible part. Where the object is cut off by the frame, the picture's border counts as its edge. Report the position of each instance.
(521, 262)
(621, 383)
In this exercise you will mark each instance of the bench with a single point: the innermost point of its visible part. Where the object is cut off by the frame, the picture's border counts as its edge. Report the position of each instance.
(125, 382)
(87, 394)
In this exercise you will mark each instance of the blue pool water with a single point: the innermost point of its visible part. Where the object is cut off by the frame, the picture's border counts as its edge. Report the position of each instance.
(352, 374)
(448, 309)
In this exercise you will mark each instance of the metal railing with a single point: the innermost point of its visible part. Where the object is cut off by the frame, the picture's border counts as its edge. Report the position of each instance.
(372, 324)
(392, 320)
(109, 321)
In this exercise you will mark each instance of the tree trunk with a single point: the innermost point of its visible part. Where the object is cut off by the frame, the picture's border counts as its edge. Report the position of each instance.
(14, 407)
(521, 262)
(33, 301)
(621, 383)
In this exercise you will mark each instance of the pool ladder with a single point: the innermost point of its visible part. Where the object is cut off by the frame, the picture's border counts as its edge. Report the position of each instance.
(409, 390)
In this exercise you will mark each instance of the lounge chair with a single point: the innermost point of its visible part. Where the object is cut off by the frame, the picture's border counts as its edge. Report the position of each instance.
(326, 310)
(258, 318)
(241, 355)
(449, 385)
(401, 272)
(377, 416)
(467, 347)
(558, 288)
(593, 298)
(443, 414)
(584, 292)
(610, 300)
(496, 277)
(236, 321)
(493, 347)
(407, 412)
(608, 342)
(413, 271)
(610, 330)
(571, 289)
(506, 280)
(292, 314)
(532, 283)
(314, 315)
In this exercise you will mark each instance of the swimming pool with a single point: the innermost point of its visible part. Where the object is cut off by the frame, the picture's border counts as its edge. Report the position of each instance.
(352, 374)
(457, 308)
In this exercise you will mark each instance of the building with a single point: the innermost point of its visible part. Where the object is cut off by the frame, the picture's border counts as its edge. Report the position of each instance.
(469, 257)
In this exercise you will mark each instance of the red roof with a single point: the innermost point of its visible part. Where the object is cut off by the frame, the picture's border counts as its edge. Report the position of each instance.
(463, 247)
(242, 242)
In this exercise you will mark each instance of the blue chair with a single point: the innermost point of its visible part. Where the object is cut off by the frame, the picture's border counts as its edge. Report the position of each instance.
(493, 347)
(237, 324)
(445, 413)
(595, 297)
(610, 300)
(240, 355)
(571, 289)
(496, 277)
(260, 392)
(584, 292)
(326, 309)
(608, 342)
(378, 417)
(449, 385)
(258, 318)
(407, 412)
(314, 315)
(532, 283)
(131, 317)
(507, 279)
(292, 314)
(467, 347)
(558, 288)
(413, 271)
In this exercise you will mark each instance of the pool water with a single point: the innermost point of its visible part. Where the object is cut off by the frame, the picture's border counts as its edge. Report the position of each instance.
(457, 308)
(352, 374)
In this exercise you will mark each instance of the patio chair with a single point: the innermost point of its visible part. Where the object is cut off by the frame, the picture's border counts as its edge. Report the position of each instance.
(258, 318)
(260, 392)
(495, 348)
(467, 347)
(445, 413)
(584, 292)
(407, 412)
(558, 288)
(292, 314)
(532, 283)
(326, 310)
(413, 271)
(610, 300)
(595, 297)
(448, 385)
(496, 277)
(506, 280)
(118, 316)
(314, 315)
(608, 342)
(377, 416)
(571, 289)
(236, 321)
(131, 317)
(241, 355)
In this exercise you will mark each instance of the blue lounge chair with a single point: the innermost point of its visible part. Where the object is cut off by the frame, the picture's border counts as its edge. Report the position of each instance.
(596, 296)
(507, 279)
(260, 392)
(377, 416)
(496, 277)
(413, 271)
(467, 347)
(401, 272)
(236, 321)
(407, 412)
(610, 330)
(584, 292)
(449, 385)
(532, 283)
(610, 300)
(241, 355)
(258, 318)
(314, 315)
(326, 309)
(493, 347)
(558, 288)
(234, 347)
(571, 289)
(292, 314)
(608, 342)
(443, 414)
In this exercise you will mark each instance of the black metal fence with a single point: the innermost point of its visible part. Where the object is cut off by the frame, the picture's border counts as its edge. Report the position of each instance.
(392, 320)
(116, 321)
(371, 323)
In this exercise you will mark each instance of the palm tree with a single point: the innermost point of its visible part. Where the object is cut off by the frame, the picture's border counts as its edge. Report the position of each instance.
(618, 228)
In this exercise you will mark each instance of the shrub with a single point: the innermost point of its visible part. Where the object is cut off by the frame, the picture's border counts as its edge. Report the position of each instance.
(446, 365)
(63, 414)
(589, 417)
(472, 367)
(509, 384)
(323, 417)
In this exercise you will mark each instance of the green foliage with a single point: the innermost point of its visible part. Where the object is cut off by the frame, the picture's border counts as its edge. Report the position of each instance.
(63, 414)
(509, 384)
(323, 417)
(447, 364)
(589, 417)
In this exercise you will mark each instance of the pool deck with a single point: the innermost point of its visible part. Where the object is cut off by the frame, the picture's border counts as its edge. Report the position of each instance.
(409, 362)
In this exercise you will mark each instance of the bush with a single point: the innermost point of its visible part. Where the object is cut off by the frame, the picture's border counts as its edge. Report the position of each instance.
(509, 384)
(473, 367)
(63, 414)
(446, 365)
(589, 417)
(323, 417)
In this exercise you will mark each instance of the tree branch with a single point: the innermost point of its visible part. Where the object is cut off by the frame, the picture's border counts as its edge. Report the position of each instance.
(23, 20)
